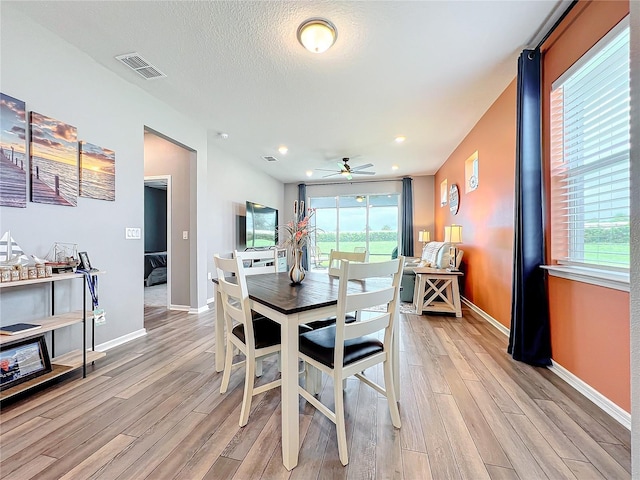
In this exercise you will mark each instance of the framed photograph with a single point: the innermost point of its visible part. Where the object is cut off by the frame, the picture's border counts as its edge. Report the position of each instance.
(22, 361)
(85, 264)
(97, 172)
(13, 152)
(54, 161)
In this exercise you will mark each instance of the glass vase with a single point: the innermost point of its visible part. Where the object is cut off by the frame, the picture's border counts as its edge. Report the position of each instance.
(296, 272)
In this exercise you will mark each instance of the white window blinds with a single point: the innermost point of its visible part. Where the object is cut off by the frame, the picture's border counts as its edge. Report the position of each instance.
(590, 156)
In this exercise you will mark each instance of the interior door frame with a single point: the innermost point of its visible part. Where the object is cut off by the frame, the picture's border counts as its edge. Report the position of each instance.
(166, 178)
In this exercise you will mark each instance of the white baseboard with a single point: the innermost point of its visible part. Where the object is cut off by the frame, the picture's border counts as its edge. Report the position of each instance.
(180, 308)
(616, 412)
(486, 316)
(613, 410)
(103, 347)
(199, 309)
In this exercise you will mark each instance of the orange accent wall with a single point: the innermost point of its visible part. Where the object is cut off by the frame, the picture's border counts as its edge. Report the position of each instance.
(590, 330)
(486, 214)
(590, 336)
(589, 324)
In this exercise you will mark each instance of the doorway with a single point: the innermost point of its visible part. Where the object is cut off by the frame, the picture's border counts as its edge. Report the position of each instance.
(157, 241)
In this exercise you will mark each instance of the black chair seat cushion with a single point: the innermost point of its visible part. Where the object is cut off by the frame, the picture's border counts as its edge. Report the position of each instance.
(325, 322)
(320, 345)
(266, 331)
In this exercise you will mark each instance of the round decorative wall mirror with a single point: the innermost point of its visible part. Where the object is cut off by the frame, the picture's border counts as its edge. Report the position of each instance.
(454, 198)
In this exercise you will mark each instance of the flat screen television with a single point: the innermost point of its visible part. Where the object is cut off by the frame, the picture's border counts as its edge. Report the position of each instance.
(261, 226)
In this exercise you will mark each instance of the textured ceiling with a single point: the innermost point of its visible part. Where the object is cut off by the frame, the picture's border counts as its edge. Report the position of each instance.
(424, 69)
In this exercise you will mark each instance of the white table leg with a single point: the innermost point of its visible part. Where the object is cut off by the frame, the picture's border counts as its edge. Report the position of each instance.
(395, 356)
(289, 393)
(456, 296)
(219, 327)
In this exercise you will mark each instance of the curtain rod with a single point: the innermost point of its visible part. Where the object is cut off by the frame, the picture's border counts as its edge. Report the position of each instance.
(555, 25)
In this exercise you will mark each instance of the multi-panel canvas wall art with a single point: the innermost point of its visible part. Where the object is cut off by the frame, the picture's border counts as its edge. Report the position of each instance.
(13, 157)
(97, 172)
(54, 161)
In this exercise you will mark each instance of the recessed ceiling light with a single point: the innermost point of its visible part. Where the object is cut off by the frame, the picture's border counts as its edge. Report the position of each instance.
(283, 149)
(400, 138)
(223, 135)
(309, 173)
(317, 34)
(394, 167)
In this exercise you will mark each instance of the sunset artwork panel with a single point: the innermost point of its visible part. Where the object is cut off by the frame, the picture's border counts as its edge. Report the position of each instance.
(54, 161)
(97, 172)
(13, 147)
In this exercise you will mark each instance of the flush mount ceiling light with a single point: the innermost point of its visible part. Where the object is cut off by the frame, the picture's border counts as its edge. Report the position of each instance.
(283, 149)
(400, 138)
(317, 34)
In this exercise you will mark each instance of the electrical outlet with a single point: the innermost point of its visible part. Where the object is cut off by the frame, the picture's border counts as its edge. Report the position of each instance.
(132, 233)
(208, 275)
(185, 235)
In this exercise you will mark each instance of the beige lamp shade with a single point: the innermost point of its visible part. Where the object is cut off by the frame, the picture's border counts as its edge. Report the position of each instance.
(424, 236)
(453, 233)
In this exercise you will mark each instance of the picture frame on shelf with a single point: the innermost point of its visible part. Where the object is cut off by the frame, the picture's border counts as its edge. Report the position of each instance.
(85, 263)
(23, 360)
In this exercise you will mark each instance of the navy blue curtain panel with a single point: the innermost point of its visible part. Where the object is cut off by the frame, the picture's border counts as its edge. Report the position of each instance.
(406, 248)
(302, 197)
(529, 339)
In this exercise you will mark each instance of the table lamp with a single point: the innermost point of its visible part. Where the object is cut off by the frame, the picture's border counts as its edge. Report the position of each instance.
(453, 235)
(424, 237)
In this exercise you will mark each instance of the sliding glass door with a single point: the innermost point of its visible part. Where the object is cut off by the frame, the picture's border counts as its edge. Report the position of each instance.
(355, 223)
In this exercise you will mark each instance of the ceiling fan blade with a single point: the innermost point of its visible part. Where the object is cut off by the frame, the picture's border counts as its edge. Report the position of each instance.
(326, 170)
(348, 176)
(361, 167)
(343, 167)
(363, 173)
(332, 174)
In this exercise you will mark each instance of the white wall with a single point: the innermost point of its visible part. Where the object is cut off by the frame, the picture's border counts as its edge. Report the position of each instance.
(635, 239)
(231, 184)
(57, 80)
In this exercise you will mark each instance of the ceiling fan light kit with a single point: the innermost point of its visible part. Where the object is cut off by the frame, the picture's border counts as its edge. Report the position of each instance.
(317, 34)
(347, 171)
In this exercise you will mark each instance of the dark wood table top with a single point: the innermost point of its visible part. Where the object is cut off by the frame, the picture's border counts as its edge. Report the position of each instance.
(316, 291)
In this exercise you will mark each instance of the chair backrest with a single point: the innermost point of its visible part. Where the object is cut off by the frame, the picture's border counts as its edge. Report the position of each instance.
(336, 256)
(256, 262)
(235, 295)
(386, 294)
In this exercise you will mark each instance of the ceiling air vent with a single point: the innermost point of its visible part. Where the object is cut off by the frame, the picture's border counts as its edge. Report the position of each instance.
(270, 159)
(139, 65)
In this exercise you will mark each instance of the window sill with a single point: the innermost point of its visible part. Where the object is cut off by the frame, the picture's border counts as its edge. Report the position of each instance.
(602, 278)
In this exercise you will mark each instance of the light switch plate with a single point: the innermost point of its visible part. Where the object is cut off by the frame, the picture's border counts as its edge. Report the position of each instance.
(185, 235)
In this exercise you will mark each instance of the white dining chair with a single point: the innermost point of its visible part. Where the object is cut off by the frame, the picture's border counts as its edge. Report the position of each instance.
(335, 257)
(255, 338)
(348, 349)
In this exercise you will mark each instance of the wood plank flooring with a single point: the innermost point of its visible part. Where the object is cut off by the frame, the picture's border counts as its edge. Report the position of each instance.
(151, 409)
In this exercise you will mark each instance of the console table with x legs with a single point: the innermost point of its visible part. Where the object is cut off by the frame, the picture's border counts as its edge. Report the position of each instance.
(437, 290)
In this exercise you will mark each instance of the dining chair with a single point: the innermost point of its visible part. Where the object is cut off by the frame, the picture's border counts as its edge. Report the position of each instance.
(348, 349)
(335, 256)
(254, 337)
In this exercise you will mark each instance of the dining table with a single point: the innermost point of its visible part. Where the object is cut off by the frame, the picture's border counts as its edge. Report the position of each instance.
(316, 298)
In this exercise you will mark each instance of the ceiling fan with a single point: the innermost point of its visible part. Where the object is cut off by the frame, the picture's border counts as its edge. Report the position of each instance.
(347, 170)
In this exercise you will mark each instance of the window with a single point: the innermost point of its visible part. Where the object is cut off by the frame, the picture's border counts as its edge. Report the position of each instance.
(354, 222)
(590, 141)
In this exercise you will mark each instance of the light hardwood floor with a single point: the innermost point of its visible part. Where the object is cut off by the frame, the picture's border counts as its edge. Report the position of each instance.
(152, 409)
